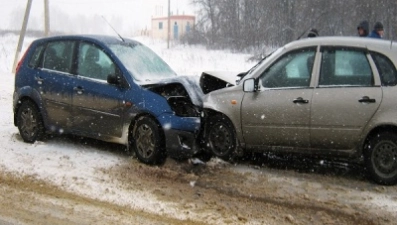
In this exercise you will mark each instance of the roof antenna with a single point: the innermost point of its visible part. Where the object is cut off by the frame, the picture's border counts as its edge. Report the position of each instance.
(311, 25)
(391, 39)
(113, 29)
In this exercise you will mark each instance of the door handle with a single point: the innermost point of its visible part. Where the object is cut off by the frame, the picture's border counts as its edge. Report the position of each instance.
(79, 90)
(300, 100)
(39, 80)
(366, 99)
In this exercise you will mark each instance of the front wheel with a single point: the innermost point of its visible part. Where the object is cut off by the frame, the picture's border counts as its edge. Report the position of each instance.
(381, 158)
(30, 123)
(221, 137)
(148, 142)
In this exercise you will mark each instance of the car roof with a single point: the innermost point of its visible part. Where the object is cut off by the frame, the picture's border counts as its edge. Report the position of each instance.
(360, 42)
(107, 39)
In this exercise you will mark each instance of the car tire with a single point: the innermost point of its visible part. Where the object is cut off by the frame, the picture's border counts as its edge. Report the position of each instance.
(221, 138)
(381, 158)
(148, 143)
(30, 122)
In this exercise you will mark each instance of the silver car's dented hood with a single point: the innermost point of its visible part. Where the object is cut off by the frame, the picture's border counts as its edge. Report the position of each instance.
(186, 86)
(214, 80)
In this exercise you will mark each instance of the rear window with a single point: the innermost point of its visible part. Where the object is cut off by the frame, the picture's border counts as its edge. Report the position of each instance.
(58, 56)
(346, 67)
(34, 60)
(387, 70)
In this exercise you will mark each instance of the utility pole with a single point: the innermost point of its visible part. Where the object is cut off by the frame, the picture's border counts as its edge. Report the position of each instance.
(22, 35)
(46, 18)
(169, 24)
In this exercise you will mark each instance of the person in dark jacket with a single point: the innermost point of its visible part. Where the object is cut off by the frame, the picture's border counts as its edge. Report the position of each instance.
(363, 28)
(313, 33)
(378, 31)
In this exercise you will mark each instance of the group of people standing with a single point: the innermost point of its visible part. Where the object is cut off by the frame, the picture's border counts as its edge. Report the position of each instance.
(362, 29)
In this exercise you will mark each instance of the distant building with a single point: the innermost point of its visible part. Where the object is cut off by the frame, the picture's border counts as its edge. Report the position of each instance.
(180, 25)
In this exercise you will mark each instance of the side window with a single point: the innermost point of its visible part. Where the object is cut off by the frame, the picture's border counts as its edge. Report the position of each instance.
(386, 69)
(291, 70)
(58, 56)
(94, 63)
(349, 67)
(34, 60)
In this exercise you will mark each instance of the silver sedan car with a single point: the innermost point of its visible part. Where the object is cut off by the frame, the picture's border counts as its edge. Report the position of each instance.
(333, 97)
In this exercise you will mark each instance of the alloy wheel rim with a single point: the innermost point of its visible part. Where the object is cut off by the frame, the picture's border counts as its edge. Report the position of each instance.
(144, 141)
(28, 122)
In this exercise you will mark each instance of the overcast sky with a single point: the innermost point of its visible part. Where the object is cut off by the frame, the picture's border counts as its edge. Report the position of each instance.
(125, 15)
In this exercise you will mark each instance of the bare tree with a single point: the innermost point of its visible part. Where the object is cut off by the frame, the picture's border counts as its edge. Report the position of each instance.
(247, 24)
(209, 19)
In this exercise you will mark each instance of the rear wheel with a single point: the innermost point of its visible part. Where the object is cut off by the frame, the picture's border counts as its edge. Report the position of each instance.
(30, 123)
(148, 141)
(221, 137)
(381, 158)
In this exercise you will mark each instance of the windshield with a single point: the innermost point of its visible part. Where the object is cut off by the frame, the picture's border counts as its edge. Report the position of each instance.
(266, 58)
(142, 63)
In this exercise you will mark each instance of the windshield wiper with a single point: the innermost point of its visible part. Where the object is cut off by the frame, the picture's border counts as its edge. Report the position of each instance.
(256, 65)
(243, 74)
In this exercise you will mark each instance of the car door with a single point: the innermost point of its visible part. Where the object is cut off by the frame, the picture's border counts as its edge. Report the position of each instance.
(98, 106)
(346, 98)
(56, 82)
(279, 113)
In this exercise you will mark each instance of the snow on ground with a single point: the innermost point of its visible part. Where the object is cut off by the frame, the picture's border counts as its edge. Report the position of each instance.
(76, 171)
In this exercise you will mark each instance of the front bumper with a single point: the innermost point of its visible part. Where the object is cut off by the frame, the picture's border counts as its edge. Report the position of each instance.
(181, 144)
(180, 135)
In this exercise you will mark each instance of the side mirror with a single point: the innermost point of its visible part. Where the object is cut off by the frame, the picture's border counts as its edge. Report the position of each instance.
(249, 85)
(113, 79)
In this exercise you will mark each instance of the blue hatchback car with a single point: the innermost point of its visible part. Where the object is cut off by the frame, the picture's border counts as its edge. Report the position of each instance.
(107, 88)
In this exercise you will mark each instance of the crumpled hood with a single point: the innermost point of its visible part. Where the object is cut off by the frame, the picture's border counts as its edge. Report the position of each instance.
(214, 80)
(187, 86)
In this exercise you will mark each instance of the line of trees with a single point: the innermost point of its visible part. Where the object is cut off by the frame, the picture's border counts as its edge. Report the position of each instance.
(246, 24)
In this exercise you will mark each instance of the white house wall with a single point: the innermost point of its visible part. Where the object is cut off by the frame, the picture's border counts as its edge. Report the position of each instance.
(182, 22)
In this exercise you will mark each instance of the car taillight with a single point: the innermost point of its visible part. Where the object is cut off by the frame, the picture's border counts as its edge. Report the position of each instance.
(21, 61)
